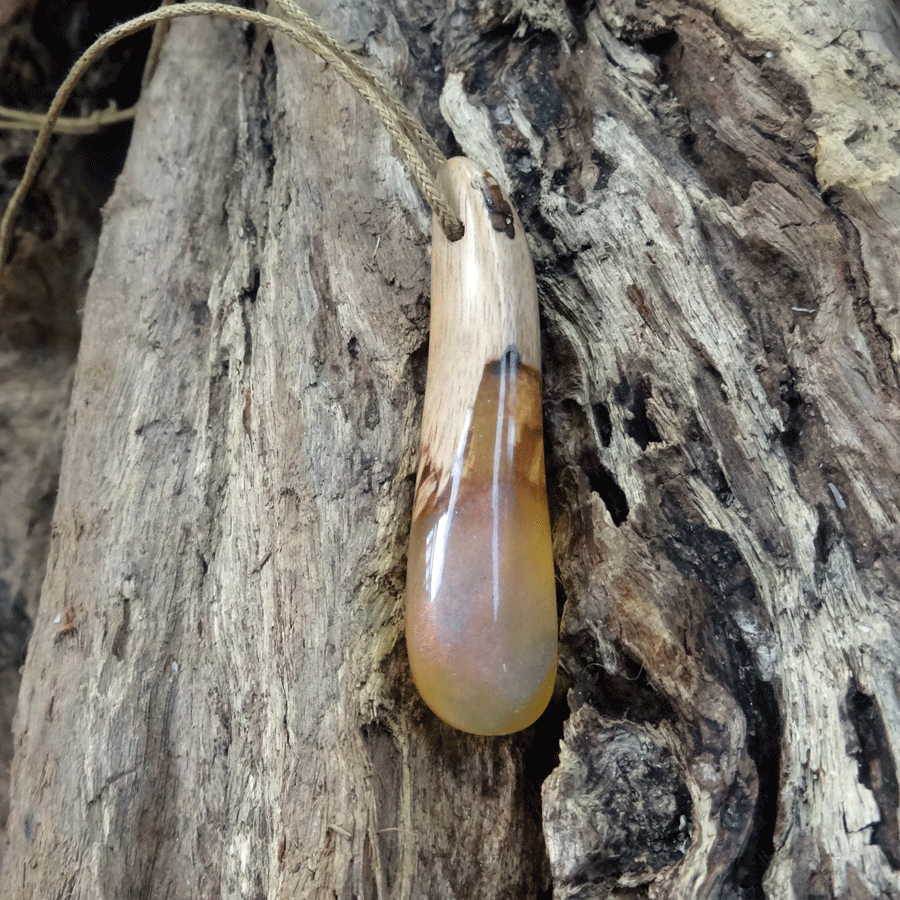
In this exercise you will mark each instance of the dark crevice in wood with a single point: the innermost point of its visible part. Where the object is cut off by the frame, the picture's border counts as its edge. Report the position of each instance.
(622, 391)
(535, 74)
(876, 770)
(417, 366)
(572, 430)
(579, 10)
(826, 538)
(789, 436)
(540, 758)
(560, 177)
(629, 694)
(626, 694)
(561, 596)
(248, 338)
(249, 292)
(606, 166)
(249, 31)
(659, 44)
(603, 483)
(15, 624)
(218, 405)
(725, 171)
(496, 27)
(764, 734)
(480, 75)
(120, 639)
(268, 94)
(640, 428)
(711, 557)
(540, 226)
(602, 422)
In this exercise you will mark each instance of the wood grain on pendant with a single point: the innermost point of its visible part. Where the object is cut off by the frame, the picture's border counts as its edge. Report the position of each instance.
(480, 593)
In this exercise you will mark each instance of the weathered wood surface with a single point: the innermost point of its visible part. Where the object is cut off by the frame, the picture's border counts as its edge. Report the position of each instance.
(711, 193)
(41, 291)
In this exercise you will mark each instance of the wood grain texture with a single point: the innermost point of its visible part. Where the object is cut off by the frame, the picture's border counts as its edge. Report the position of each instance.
(483, 301)
(42, 288)
(711, 196)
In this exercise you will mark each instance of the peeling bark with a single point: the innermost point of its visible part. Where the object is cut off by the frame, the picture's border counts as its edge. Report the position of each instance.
(217, 699)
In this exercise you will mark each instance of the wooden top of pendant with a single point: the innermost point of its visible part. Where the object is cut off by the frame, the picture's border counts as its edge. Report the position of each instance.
(483, 304)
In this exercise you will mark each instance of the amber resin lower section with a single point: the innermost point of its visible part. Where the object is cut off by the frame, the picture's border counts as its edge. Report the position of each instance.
(481, 602)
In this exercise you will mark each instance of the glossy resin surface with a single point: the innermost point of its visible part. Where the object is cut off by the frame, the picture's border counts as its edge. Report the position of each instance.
(481, 603)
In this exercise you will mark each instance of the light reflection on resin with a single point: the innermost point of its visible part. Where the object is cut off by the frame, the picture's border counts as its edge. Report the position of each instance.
(481, 599)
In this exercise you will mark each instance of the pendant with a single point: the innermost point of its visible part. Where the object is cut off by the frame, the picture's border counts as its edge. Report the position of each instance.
(481, 626)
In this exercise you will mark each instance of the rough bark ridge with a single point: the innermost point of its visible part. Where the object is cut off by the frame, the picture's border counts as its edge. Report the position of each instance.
(223, 706)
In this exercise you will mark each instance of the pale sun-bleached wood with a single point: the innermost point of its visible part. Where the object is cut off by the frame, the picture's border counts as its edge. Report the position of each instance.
(483, 299)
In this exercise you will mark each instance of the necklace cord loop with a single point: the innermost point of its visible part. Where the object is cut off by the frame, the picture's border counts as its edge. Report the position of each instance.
(422, 155)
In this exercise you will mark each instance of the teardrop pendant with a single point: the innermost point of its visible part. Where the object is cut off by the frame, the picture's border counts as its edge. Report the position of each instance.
(480, 593)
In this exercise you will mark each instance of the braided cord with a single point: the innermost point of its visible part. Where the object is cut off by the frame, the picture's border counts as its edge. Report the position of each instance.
(421, 154)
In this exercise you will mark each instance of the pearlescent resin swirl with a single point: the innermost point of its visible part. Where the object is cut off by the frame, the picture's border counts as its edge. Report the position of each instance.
(481, 624)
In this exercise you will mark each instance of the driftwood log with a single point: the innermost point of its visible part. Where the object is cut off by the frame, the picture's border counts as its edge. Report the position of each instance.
(42, 289)
(216, 700)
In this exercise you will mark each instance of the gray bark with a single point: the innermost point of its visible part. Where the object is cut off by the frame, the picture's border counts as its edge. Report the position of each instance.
(216, 700)
(41, 289)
